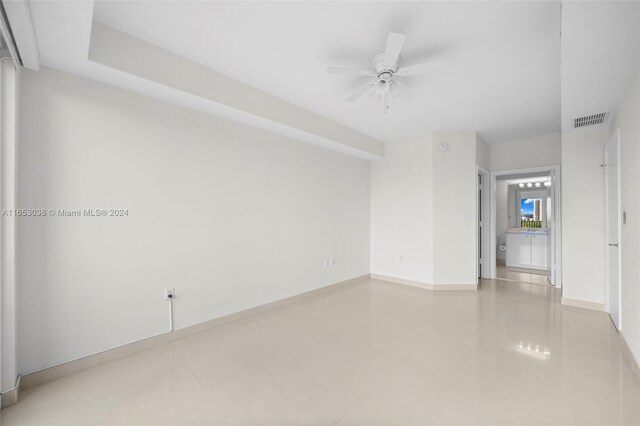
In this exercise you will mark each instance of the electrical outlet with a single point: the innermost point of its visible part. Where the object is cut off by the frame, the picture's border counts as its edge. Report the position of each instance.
(169, 293)
(333, 262)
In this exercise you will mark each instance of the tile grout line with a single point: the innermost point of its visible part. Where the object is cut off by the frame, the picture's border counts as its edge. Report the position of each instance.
(225, 416)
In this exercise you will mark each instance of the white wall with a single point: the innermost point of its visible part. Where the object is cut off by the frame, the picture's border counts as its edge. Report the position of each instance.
(502, 206)
(526, 153)
(627, 119)
(231, 216)
(402, 210)
(583, 214)
(512, 207)
(455, 209)
(424, 209)
(483, 153)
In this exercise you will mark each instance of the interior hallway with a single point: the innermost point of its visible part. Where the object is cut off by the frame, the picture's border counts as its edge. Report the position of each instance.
(530, 277)
(366, 353)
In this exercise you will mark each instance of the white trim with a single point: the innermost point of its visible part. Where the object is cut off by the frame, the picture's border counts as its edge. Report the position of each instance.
(425, 286)
(486, 226)
(9, 397)
(583, 304)
(556, 232)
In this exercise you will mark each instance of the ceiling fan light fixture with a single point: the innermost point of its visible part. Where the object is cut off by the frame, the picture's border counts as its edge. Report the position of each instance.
(382, 87)
(386, 70)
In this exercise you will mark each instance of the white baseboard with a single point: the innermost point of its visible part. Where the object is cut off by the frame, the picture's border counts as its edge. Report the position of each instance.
(45, 375)
(425, 286)
(9, 397)
(583, 304)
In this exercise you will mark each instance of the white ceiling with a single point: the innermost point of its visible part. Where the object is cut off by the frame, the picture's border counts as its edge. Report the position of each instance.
(65, 32)
(600, 56)
(504, 80)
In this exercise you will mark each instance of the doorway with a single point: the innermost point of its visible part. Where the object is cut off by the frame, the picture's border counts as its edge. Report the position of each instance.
(525, 232)
(613, 227)
(482, 230)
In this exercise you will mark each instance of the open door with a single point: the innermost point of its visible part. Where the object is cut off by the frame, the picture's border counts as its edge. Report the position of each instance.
(613, 226)
(483, 241)
(480, 224)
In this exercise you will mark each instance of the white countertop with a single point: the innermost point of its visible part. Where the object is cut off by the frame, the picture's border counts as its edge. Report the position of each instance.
(529, 231)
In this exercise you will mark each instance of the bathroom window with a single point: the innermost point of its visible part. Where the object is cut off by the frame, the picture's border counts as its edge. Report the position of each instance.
(531, 212)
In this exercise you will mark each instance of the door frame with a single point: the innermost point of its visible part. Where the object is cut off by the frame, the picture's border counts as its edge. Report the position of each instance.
(616, 139)
(486, 225)
(556, 199)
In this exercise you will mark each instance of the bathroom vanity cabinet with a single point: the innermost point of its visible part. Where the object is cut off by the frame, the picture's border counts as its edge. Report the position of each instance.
(527, 249)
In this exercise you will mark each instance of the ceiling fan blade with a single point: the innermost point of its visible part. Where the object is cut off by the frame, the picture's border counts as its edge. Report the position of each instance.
(418, 69)
(364, 89)
(395, 41)
(349, 71)
(400, 91)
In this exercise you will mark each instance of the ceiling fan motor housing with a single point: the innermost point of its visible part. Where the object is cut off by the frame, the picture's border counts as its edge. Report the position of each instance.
(383, 70)
(385, 76)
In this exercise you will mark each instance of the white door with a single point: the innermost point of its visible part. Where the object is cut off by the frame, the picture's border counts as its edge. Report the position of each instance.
(612, 226)
(480, 224)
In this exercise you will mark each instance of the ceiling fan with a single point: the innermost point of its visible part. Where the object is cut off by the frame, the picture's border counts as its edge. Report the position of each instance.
(387, 73)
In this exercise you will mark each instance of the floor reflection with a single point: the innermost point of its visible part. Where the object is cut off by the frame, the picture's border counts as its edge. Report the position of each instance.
(369, 353)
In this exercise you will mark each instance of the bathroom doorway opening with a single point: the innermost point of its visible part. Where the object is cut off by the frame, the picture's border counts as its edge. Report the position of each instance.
(525, 232)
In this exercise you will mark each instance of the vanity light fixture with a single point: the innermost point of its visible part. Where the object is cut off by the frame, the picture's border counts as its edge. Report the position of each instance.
(536, 184)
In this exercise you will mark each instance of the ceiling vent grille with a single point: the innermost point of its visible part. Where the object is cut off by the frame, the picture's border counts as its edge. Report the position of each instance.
(589, 120)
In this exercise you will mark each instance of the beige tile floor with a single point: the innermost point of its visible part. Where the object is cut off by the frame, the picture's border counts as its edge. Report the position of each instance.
(366, 354)
(539, 278)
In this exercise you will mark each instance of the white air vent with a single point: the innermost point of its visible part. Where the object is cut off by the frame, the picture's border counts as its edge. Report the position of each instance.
(590, 120)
